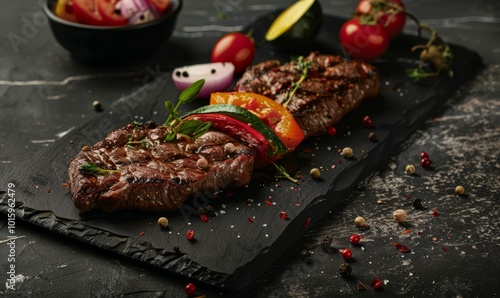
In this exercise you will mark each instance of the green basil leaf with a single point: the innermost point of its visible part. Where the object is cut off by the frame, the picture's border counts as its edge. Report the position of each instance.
(189, 126)
(169, 107)
(191, 92)
(170, 136)
(201, 130)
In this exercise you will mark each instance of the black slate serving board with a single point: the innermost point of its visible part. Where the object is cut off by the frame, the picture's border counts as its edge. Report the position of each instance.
(230, 251)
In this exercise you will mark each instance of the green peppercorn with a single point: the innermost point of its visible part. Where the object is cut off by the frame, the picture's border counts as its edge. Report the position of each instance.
(409, 169)
(315, 173)
(359, 221)
(347, 152)
(400, 215)
(163, 222)
(459, 190)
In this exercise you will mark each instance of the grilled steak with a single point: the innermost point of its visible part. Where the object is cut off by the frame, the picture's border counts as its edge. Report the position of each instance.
(156, 176)
(153, 175)
(333, 88)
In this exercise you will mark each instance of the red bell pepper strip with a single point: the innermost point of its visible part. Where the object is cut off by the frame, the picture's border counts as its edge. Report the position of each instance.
(241, 131)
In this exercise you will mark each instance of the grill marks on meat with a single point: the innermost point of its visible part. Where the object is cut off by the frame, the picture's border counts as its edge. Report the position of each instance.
(333, 88)
(162, 175)
(159, 178)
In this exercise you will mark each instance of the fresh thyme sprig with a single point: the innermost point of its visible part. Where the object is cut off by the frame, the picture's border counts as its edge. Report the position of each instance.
(93, 169)
(186, 129)
(303, 66)
(145, 143)
(131, 139)
(282, 173)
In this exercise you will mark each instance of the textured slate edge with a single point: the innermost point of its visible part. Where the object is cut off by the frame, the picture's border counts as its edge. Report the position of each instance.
(127, 246)
(179, 263)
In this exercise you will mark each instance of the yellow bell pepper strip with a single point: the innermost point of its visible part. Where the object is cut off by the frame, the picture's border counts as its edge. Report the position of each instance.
(274, 115)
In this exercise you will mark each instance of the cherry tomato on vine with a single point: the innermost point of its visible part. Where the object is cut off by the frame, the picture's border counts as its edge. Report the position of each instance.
(236, 48)
(366, 42)
(397, 20)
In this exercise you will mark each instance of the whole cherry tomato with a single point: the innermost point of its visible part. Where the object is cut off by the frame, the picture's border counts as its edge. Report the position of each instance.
(109, 16)
(366, 42)
(391, 19)
(86, 12)
(236, 48)
(160, 5)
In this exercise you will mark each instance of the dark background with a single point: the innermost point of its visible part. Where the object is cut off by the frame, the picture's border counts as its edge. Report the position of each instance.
(454, 254)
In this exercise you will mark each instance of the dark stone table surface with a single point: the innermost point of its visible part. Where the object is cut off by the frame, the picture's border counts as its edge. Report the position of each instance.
(454, 254)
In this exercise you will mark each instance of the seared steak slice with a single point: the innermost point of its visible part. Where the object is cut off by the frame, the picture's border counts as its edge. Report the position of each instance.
(333, 88)
(154, 175)
(157, 175)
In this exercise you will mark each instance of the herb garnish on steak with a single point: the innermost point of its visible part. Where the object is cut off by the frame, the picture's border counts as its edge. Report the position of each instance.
(332, 89)
(158, 178)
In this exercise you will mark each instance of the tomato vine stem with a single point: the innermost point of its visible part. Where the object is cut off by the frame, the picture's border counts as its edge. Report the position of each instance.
(436, 51)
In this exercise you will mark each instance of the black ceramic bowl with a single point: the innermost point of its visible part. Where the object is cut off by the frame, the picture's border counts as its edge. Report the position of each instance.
(113, 45)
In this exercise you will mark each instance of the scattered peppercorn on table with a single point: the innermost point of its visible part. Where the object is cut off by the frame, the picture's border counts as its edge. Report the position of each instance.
(420, 226)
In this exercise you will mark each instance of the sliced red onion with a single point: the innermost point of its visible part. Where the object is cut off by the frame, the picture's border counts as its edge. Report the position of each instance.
(137, 11)
(218, 76)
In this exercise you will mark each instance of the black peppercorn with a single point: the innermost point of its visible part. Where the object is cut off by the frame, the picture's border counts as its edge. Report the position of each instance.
(176, 249)
(97, 106)
(305, 253)
(417, 203)
(345, 270)
(150, 124)
(372, 136)
(207, 210)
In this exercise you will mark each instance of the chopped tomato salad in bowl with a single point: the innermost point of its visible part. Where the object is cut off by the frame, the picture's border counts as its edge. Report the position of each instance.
(115, 32)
